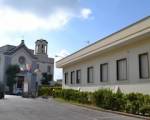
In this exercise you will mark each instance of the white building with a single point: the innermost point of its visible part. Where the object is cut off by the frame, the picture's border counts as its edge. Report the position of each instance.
(32, 64)
(120, 60)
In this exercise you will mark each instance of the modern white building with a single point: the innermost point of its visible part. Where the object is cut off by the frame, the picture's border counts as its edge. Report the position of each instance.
(118, 61)
(32, 64)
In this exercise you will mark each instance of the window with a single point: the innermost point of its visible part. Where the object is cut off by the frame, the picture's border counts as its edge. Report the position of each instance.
(90, 75)
(48, 69)
(22, 60)
(144, 65)
(104, 72)
(122, 69)
(72, 77)
(37, 66)
(66, 78)
(78, 76)
(42, 46)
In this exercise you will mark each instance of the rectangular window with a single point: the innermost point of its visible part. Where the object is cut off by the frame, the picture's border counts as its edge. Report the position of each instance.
(78, 76)
(49, 69)
(37, 66)
(122, 69)
(66, 78)
(72, 77)
(104, 72)
(90, 75)
(144, 65)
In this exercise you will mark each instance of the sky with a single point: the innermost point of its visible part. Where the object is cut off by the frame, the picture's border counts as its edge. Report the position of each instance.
(67, 25)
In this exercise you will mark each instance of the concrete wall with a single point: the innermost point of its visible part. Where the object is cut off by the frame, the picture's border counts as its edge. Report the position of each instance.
(43, 69)
(133, 82)
(21, 52)
(42, 65)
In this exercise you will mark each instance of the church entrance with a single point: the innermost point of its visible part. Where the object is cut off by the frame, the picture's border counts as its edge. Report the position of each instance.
(19, 85)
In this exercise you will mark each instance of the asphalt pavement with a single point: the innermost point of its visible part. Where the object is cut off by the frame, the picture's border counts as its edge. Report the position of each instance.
(18, 108)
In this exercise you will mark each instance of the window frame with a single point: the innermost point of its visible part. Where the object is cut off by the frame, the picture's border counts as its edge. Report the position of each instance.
(66, 78)
(88, 75)
(37, 66)
(71, 79)
(78, 81)
(117, 67)
(101, 65)
(140, 70)
(49, 69)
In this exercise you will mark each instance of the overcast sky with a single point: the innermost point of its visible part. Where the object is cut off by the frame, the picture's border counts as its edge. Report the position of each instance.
(66, 24)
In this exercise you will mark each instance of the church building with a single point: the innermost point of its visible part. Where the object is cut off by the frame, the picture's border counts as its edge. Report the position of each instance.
(32, 65)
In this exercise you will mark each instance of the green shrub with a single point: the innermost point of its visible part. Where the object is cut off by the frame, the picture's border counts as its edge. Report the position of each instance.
(118, 101)
(105, 98)
(147, 99)
(57, 94)
(69, 94)
(145, 110)
(102, 98)
(134, 101)
(84, 97)
(47, 91)
(73, 95)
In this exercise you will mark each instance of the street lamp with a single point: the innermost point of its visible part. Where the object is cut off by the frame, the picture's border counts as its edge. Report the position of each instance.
(58, 56)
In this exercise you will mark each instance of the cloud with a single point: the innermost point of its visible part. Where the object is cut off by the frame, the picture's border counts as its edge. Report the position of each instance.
(29, 15)
(23, 17)
(12, 20)
(86, 13)
(41, 7)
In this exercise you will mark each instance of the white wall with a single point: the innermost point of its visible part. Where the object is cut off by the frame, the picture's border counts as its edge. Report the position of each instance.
(133, 82)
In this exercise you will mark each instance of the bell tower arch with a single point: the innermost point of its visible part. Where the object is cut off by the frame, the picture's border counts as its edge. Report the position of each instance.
(41, 47)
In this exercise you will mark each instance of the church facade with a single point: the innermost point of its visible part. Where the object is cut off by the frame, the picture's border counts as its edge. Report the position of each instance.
(32, 63)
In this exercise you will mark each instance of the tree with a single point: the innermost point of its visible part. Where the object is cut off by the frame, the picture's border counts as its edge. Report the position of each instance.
(11, 72)
(46, 78)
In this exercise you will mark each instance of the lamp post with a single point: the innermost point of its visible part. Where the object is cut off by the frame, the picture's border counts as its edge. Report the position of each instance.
(59, 56)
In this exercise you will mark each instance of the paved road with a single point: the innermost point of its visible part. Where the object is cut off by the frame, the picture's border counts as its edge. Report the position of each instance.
(17, 108)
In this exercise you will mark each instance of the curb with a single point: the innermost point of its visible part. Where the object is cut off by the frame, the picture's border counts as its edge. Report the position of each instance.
(110, 111)
(115, 112)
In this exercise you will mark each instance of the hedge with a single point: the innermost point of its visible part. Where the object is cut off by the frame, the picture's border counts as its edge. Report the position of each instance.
(135, 103)
(73, 95)
(47, 91)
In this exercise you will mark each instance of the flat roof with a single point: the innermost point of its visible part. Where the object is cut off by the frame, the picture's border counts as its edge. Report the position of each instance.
(129, 30)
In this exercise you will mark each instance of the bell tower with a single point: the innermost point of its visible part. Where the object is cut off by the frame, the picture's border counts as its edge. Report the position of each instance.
(41, 47)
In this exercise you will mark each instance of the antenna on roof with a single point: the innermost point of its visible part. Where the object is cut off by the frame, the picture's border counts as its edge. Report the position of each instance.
(87, 42)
